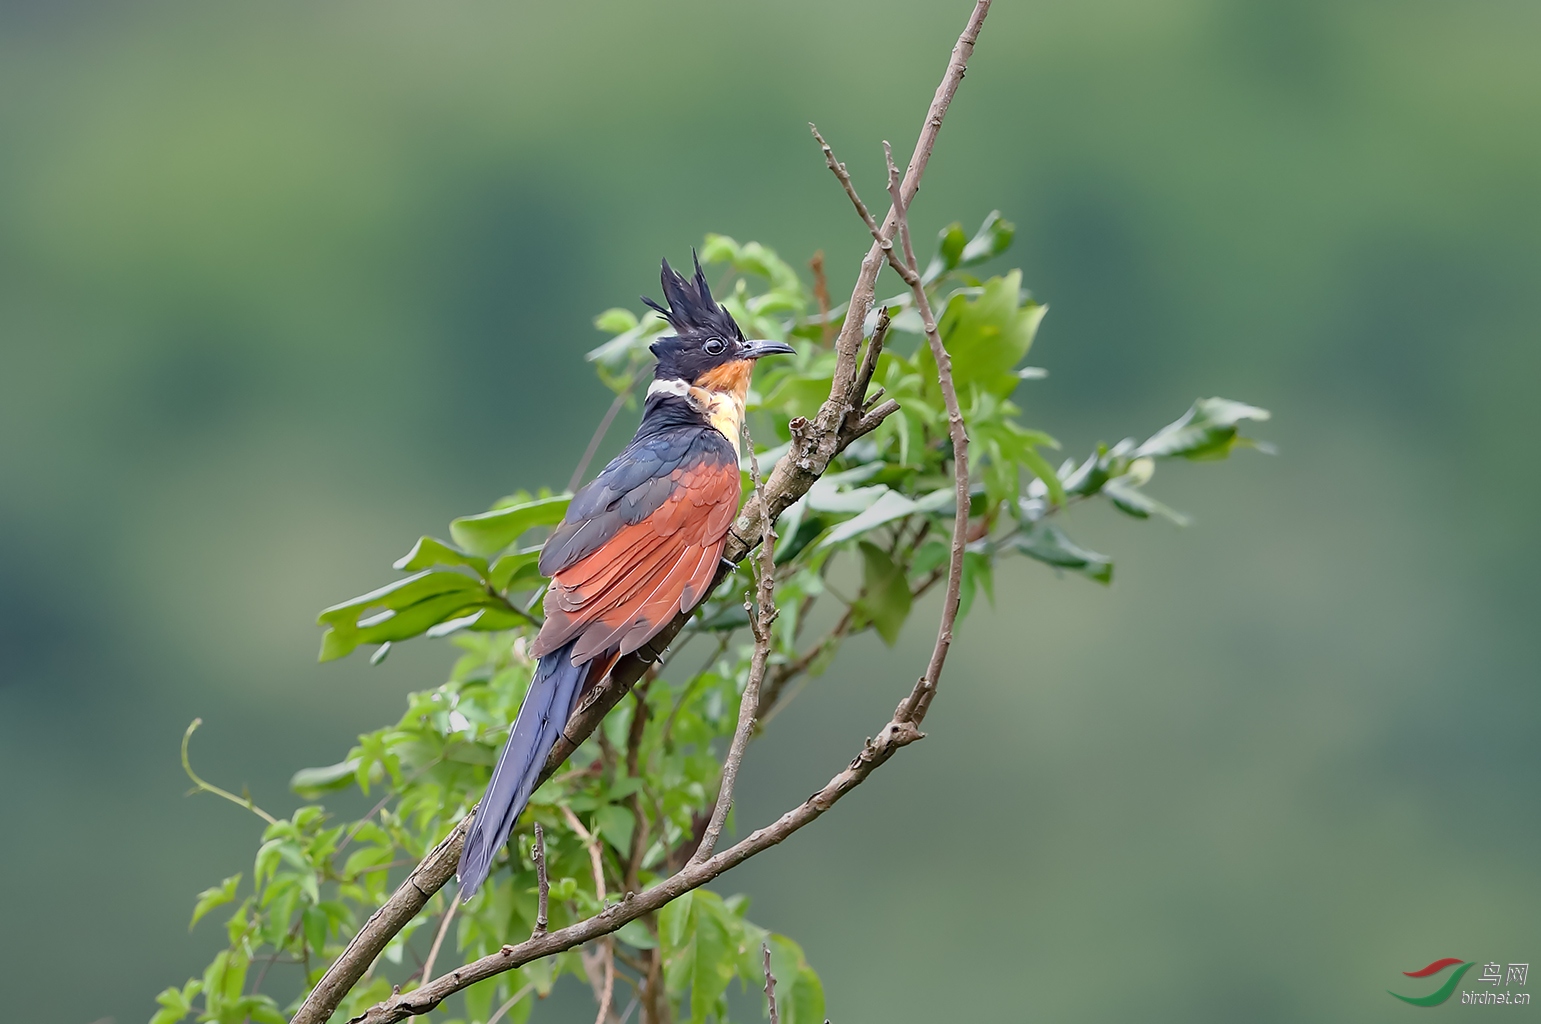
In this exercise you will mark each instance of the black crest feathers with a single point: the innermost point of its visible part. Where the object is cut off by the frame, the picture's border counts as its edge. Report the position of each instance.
(691, 309)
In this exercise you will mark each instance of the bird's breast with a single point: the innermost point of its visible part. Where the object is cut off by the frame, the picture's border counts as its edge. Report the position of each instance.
(723, 410)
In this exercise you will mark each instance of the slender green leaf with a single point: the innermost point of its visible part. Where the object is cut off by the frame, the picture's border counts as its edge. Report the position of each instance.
(1205, 431)
(1048, 543)
(310, 783)
(490, 532)
(890, 505)
(428, 552)
(217, 896)
(993, 238)
(516, 571)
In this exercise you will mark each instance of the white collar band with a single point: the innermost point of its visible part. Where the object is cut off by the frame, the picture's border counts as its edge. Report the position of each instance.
(675, 386)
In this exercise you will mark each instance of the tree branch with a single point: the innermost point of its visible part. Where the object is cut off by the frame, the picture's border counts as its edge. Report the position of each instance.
(814, 445)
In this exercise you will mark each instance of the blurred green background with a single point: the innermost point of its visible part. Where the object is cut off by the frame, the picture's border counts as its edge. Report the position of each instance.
(284, 285)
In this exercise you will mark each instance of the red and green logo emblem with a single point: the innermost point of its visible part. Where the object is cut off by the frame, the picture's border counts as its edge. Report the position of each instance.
(1444, 991)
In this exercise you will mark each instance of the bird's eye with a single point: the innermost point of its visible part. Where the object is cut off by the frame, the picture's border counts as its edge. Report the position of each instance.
(714, 346)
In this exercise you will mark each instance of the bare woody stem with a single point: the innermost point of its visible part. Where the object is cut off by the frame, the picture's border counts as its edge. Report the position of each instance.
(604, 983)
(913, 707)
(762, 615)
(600, 432)
(840, 421)
(770, 985)
(538, 855)
(438, 940)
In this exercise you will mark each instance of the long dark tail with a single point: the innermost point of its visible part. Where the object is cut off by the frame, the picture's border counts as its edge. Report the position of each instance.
(546, 708)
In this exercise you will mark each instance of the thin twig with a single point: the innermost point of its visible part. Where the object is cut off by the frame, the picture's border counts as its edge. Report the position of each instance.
(762, 616)
(770, 985)
(604, 990)
(869, 363)
(209, 787)
(784, 674)
(358, 826)
(438, 940)
(668, 724)
(816, 443)
(503, 1010)
(821, 295)
(538, 855)
(601, 430)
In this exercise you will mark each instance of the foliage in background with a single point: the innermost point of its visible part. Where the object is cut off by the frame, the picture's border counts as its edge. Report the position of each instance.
(855, 554)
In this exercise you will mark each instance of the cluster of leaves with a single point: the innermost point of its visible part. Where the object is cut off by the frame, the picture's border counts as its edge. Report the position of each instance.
(640, 789)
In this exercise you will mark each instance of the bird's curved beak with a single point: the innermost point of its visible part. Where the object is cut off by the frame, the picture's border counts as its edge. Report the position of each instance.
(761, 348)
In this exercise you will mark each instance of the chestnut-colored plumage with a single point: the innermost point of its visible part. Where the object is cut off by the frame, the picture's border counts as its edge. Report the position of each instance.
(639, 544)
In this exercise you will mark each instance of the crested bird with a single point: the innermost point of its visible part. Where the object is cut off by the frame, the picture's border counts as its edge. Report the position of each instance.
(640, 543)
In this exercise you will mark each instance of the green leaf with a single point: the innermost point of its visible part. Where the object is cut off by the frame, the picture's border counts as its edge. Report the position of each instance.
(1206, 431)
(314, 926)
(261, 1009)
(428, 552)
(752, 258)
(1132, 501)
(176, 1003)
(401, 594)
(217, 896)
(949, 248)
(1048, 543)
(700, 955)
(223, 981)
(310, 783)
(615, 825)
(516, 571)
(885, 600)
(889, 506)
(491, 532)
(986, 335)
(993, 238)
(410, 606)
(636, 935)
(616, 321)
(977, 575)
(1040, 468)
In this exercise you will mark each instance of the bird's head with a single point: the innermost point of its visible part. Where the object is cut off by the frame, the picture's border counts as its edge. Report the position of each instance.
(707, 349)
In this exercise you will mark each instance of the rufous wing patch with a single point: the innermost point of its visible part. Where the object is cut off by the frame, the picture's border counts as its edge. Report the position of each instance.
(621, 594)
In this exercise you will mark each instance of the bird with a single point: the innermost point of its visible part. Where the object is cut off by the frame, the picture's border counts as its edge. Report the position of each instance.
(638, 544)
